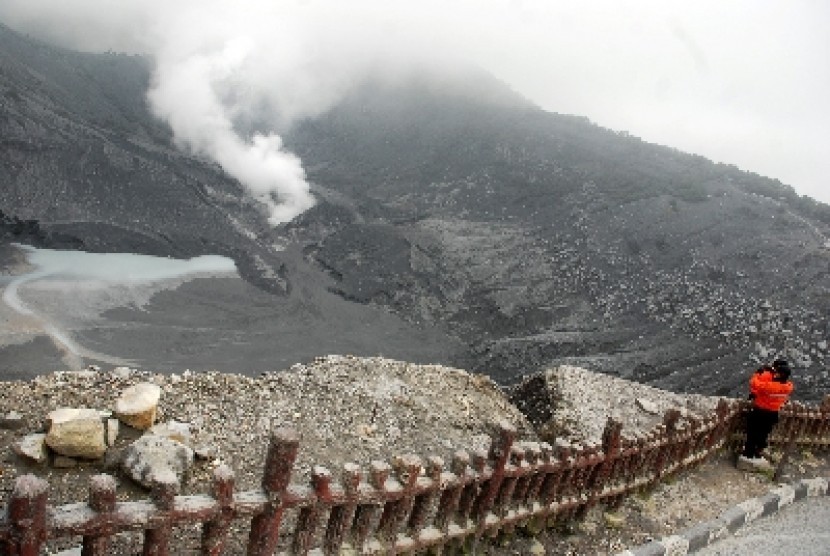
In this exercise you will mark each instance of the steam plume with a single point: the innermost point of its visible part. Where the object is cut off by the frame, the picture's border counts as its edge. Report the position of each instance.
(185, 95)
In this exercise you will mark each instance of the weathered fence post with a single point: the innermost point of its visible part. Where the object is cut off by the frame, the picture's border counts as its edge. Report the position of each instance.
(215, 531)
(366, 513)
(157, 538)
(558, 484)
(611, 441)
(540, 455)
(531, 470)
(451, 495)
(342, 515)
(471, 490)
(425, 501)
(309, 519)
(723, 428)
(102, 502)
(282, 452)
(499, 454)
(407, 468)
(504, 499)
(26, 514)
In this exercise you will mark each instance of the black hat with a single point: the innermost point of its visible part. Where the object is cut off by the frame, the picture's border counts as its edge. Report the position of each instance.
(780, 364)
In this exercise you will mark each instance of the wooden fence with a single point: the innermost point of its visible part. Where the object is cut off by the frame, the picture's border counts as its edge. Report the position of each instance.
(407, 507)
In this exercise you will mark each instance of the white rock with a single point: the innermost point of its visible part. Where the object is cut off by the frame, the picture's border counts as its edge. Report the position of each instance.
(648, 406)
(32, 446)
(154, 456)
(137, 405)
(76, 432)
(174, 430)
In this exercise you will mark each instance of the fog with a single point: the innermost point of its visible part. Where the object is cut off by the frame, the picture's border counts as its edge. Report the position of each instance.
(742, 82)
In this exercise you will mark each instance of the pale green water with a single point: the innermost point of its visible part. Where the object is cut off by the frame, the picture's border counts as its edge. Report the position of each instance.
(67, 271)
(121, 268)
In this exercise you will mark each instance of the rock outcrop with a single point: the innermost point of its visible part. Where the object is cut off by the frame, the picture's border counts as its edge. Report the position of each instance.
(574, 404)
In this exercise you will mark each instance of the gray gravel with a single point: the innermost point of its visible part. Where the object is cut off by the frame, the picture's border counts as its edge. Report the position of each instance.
(798, 530)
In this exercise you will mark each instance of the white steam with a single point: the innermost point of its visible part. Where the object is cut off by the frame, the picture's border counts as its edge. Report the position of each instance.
(229, 75)
(742, 82)
(185, 93)
(226, 74)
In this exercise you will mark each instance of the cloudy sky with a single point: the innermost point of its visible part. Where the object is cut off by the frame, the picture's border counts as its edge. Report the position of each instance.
(744, 82)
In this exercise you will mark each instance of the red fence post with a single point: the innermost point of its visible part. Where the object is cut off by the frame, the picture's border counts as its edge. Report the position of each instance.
(499, 454)
(282, 452)
(451, 495)
(26, 514)
(365, 515)
(157, 539)
(341, 517)
(504, 499)
(471, 489)
(407, 468)
(557, 484)
(540, 460)
(215, 531)
(310, 516)
(611, 442)
(102, 502)
(425, 501)
(533, 460)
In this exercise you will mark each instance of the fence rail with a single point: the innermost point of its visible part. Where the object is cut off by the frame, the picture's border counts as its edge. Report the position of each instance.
(407, 506)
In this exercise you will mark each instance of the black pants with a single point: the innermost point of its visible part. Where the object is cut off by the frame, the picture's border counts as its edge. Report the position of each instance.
(759, 423)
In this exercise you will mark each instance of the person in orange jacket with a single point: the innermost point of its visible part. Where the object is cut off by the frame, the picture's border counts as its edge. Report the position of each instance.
(770, 388)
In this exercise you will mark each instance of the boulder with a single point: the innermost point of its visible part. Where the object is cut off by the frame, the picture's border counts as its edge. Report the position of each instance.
(137, 405)
(31, 447)
(152, 457)
(76, 432)
(174, 430)
(576, 404)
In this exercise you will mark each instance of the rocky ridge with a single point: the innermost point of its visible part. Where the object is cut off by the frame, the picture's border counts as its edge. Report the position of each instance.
(350, 409)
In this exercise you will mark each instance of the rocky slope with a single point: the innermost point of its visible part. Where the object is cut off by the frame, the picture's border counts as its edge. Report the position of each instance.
(525, 238)
(350, 409)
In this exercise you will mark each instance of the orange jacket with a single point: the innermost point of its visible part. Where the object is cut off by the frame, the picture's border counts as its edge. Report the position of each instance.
(769, 394)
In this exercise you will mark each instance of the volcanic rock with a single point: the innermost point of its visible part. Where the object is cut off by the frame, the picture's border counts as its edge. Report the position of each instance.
(152, 457)
(138, 404)
(32, 447)
(76, 432)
